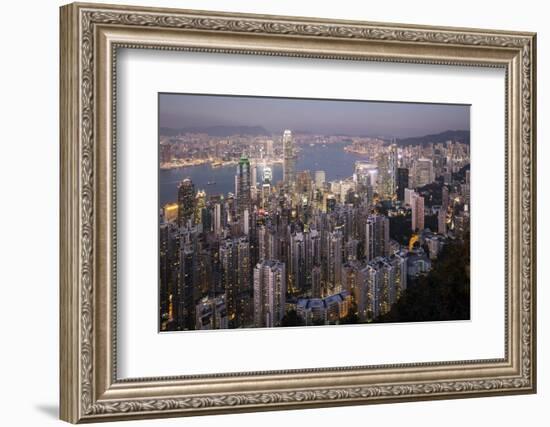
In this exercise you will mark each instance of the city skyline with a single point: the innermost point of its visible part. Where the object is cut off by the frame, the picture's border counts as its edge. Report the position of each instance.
(295, 229)
(275, 114)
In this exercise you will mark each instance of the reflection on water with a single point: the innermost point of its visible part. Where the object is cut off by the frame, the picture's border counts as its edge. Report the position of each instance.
(331, 158)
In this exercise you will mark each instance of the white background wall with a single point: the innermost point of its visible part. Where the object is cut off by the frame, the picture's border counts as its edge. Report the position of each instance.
(29, 170)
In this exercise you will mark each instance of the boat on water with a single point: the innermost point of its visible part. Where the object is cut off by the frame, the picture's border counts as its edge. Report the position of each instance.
(211, 183)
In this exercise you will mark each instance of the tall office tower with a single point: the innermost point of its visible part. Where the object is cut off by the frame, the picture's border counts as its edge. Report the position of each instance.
(392, 168)
(423, 172)
(168, 272)
(228, 276)
(330, 203)
(297, 266)
(367, 296)
(442, 221)
(465, 188)
(165, 152)
(269, 293)
(262, 242)
(445, 196)
(384, 181)
(462, 225)
(402, 183)
(335, 262)
(350, 271)
(246, 222)
(267, 175)
(377, 236)
(244, 283)
(200, 204)
(409, 192)
(320, 179)
(269, 148)
(316, 282)
(442, 214)
(399, 261)
(351, 250)
(242, 186)
(217, 219)
(186, 202)
(205, 271)
(303, 182)
(417, 207)
(387, 172)
(366, 174)
(211, 313)
(253, 175)
(289, 160)
(266, 192)
(244, 274)
(313, 249)
(388, 287)
(187, 288)
(170, 212)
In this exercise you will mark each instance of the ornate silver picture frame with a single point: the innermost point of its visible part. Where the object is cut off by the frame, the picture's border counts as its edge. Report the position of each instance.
(91, 34)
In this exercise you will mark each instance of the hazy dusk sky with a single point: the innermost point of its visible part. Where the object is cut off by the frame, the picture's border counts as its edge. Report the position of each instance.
(371, 118)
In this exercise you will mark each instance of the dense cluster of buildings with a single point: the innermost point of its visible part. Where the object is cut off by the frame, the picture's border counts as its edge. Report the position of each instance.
(304, 250)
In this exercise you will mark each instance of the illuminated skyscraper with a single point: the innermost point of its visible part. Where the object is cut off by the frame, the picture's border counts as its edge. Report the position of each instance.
(366, 173)
(423, 172)
(243, 264)
(369, 290)
(269, 293)
(417, 207)
(269, 148)
(228, 276)
(268, 175)
(392, 169)
(217, 218)
(335, 262)
(289, 161)
(377, 236)
(187, 291)
(170, 212)
(242, 186)
(297, 260)
(320, 179)
(186, 201)
(200, 204)
(387, 172)
(253, 175)
(402, 183)
(168, 273)
(442, 214)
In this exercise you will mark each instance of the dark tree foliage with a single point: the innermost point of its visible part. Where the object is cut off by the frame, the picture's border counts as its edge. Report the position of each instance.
(431, 193)
(430, 221)
(444, 294)
(400, 229)
(291, 318)
(461, 174)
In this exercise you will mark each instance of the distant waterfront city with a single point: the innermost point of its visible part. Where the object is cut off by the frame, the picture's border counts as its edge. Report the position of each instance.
(307, 229)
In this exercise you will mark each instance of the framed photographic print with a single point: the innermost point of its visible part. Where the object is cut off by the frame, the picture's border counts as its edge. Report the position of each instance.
(265, 212)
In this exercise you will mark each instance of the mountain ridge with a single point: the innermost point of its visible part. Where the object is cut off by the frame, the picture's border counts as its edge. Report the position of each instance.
(216, 130)
(448, 135)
